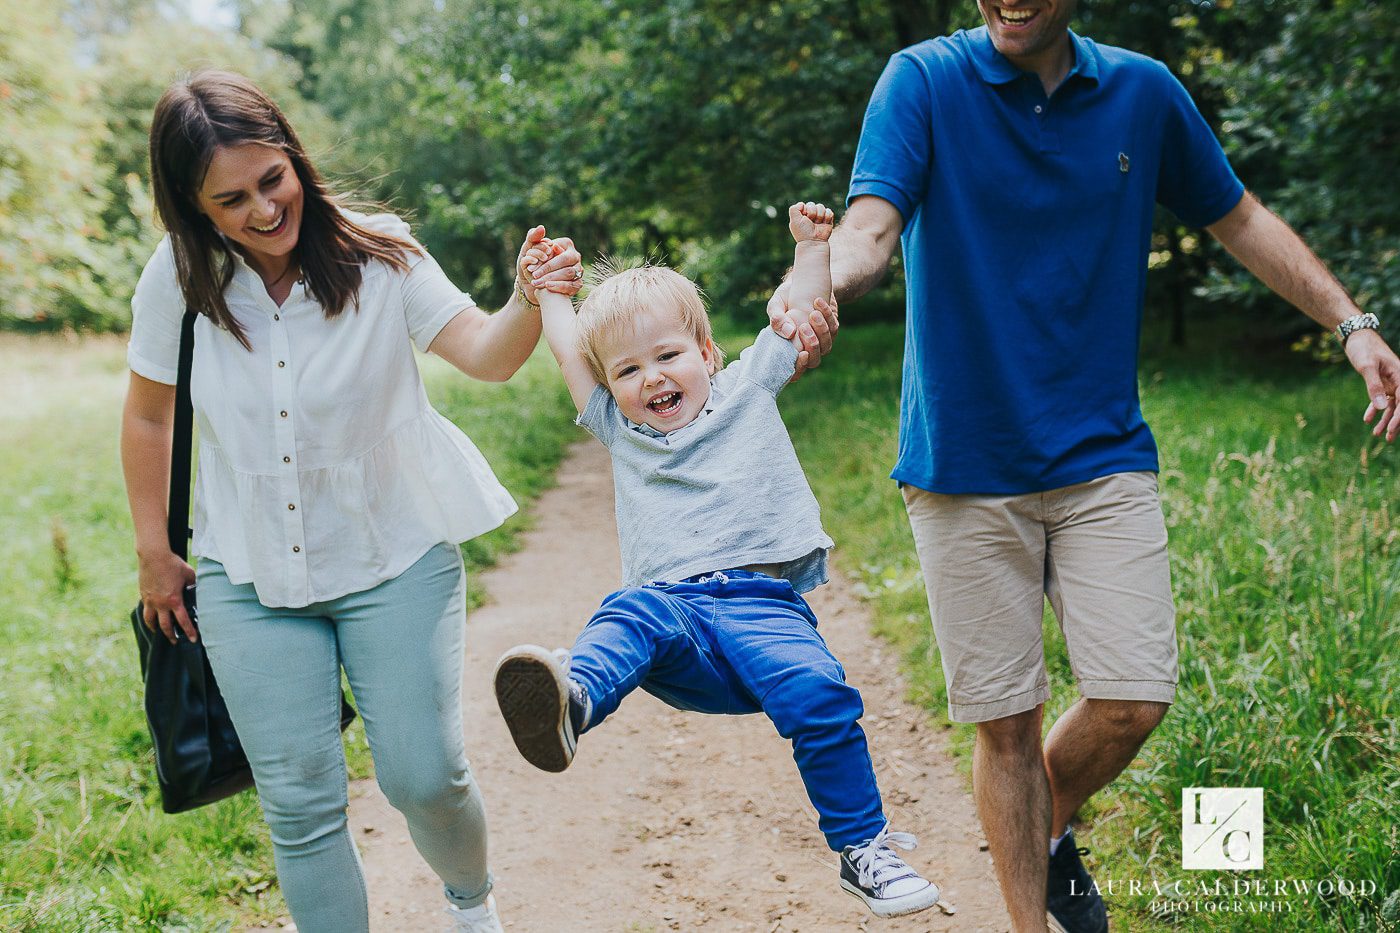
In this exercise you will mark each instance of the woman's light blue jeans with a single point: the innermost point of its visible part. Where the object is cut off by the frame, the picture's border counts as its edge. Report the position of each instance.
(401, 646)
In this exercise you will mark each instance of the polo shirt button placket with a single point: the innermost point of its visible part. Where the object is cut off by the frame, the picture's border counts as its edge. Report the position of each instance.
(1049, 137)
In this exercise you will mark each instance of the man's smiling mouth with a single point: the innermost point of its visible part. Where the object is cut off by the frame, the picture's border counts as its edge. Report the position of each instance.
(1016, 17)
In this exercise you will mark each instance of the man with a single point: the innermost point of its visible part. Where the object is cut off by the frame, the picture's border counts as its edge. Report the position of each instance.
(1020, 165)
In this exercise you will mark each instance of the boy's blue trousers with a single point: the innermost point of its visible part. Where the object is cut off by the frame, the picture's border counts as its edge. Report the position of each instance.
(740, 642)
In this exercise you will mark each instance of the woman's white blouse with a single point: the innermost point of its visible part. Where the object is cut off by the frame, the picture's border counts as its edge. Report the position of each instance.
(323, 469)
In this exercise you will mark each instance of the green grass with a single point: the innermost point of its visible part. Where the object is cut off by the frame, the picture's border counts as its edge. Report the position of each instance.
(1285, 565)
(83, 843)
(1285, 557)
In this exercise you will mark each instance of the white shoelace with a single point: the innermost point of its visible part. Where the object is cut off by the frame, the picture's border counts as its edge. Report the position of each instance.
(877, 863)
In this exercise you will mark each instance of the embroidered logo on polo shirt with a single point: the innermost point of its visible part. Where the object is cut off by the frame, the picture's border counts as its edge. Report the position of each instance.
(1123, 163)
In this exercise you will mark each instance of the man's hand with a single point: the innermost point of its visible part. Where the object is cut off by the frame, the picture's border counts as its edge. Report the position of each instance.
(812, 337)
(1376, 362)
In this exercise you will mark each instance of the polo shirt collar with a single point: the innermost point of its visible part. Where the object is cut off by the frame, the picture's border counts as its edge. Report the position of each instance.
(995, 68)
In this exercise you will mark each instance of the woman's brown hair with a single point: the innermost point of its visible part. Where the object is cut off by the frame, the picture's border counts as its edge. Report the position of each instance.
(219, 108)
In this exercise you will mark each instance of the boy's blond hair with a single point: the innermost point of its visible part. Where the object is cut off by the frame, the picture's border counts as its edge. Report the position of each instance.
(619, 294)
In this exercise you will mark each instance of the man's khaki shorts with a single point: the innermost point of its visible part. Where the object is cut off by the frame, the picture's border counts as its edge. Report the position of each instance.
(1098, 550)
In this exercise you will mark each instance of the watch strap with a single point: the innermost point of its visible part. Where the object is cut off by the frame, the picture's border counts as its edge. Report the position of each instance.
(1351, 325)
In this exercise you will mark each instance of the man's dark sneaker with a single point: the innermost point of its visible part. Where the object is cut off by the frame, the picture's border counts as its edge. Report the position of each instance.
(873, 872)
(1070, 896)
(543, 708)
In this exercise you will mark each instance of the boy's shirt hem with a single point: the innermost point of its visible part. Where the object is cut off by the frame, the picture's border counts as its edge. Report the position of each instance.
(805, 568)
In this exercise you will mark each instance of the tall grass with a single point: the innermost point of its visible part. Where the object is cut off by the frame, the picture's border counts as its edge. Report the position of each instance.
(83, 844)
(1285, 556)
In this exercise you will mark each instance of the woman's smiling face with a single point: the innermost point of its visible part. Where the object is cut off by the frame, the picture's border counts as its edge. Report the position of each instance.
(252, 194)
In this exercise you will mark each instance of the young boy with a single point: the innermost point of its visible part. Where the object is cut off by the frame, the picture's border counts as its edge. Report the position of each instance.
(720, 534)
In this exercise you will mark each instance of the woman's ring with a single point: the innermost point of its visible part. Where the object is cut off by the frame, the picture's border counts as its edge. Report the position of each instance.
(578, 273)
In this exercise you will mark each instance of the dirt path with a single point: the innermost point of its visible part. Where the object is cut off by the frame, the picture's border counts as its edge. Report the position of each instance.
(669, 820)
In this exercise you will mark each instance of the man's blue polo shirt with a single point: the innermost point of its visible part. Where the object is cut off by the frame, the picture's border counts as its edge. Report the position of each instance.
(1027, 223)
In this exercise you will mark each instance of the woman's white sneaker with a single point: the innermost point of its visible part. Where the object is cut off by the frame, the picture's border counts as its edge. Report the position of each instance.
(874, 872)
(479, 919)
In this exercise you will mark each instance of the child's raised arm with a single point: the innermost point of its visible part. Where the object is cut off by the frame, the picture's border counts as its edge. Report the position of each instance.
(559, 320)
(811, 226)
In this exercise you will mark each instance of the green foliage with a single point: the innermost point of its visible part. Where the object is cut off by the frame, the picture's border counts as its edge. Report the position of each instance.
(1310, 122)
(680, 129)
(55, 258)
(76, 215)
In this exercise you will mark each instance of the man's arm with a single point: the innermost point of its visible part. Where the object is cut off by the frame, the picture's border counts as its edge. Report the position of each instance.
(862, 246)
(1278, 257)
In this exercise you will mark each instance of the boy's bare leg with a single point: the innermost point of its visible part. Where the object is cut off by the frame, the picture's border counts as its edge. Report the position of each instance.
(1013, 801)
(1090, 745)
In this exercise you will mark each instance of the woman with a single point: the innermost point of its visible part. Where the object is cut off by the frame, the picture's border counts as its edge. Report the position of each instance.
(330, 495)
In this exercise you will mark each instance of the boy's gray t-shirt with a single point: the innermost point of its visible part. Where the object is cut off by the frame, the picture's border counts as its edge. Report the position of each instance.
(725, 490)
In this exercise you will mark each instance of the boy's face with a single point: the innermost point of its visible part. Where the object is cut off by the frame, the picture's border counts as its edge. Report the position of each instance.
(657, 372)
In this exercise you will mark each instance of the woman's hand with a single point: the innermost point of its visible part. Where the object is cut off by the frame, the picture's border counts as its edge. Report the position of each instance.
(552, 264)
(163, 579)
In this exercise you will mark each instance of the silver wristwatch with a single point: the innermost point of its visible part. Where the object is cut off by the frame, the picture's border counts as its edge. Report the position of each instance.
(1351, 325)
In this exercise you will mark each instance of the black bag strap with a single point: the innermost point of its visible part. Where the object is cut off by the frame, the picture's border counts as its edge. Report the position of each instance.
(177, 525)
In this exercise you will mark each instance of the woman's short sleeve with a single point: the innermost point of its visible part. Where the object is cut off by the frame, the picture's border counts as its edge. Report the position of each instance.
(430, 300)
(157, 308)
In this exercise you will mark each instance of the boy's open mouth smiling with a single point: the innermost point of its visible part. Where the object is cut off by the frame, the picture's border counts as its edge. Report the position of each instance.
(667, 403)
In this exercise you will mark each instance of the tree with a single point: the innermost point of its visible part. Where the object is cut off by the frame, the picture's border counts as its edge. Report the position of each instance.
(679, 129)
(76, 216)
(54, 258)
(1313, 121)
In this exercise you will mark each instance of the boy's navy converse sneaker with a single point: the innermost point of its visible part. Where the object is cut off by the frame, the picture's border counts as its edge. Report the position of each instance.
(1070, 896)
(873, 872)
(543, 708)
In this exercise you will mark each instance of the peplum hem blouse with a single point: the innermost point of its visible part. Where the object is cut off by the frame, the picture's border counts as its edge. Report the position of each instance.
(323, 468)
